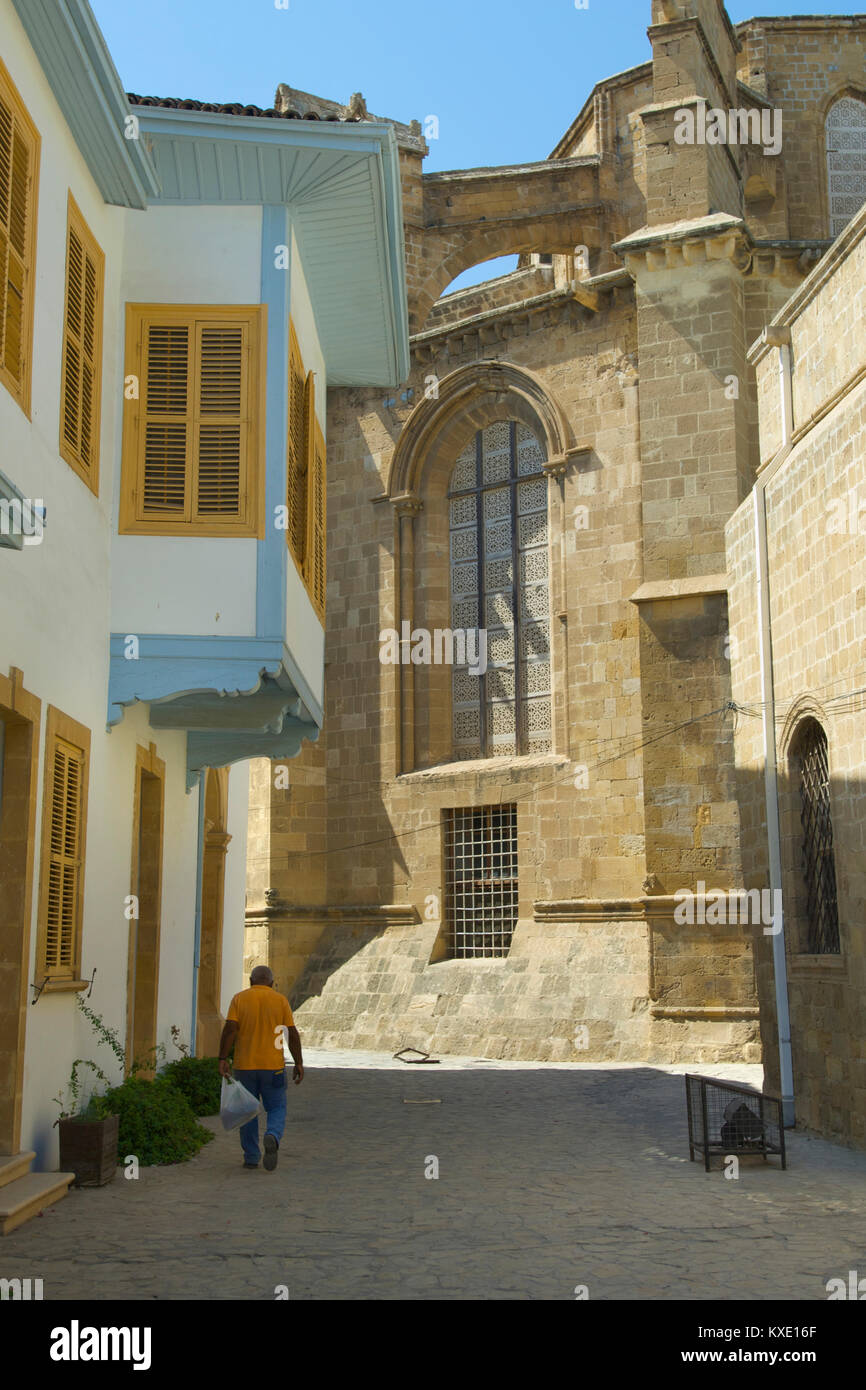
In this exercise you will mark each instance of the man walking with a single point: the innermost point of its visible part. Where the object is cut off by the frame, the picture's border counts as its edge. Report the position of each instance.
(258, 1021)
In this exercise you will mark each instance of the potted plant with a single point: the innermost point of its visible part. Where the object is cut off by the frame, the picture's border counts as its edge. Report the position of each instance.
(88, 1147)
(88, 1140)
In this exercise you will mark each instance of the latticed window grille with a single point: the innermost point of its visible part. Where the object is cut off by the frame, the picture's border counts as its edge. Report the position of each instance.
(481, 880)
(811, 767)
(500, 575)
(846, 160)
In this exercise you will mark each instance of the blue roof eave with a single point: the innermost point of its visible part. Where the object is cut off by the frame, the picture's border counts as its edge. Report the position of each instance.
(73, 55)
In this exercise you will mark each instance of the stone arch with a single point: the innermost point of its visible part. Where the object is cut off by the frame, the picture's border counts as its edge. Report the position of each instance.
(445, 255)
(468, 400)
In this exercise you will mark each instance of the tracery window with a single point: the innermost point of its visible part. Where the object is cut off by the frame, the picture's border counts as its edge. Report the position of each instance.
(500, 583)
(846, 160)
(811, 776)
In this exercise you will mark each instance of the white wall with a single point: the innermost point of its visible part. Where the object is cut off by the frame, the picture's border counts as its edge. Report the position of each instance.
(188, 255)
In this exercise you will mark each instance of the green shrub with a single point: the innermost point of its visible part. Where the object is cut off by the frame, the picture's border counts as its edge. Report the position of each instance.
(198, 1078)
(156, 1121)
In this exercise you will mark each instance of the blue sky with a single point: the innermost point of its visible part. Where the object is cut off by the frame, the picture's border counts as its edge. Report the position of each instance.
(504, 77)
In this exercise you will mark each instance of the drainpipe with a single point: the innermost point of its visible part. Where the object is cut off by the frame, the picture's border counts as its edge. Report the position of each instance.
(196, 953)
(779, 337)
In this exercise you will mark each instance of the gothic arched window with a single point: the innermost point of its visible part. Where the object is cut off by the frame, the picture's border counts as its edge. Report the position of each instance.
(500, 584)
(811, 775)
(846, 161)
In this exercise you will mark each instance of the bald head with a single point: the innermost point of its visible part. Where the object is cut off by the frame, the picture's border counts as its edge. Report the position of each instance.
(262, 975)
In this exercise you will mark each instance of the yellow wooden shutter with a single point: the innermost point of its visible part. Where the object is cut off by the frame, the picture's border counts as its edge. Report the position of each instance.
(222, 353)
(318, 510)
(297, 462)
(18, 155)
(64, 848)
(194, 421)
(82, 350)
(166, 422)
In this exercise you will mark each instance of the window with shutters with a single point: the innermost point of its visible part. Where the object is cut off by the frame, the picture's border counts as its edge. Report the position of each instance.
(845, 130)
(80, 390)
(193, 421)
(19, 168)
(306, 479)
(64, 821)
(500, 575)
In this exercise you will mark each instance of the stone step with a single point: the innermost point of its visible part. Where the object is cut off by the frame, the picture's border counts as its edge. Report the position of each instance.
(27, 1196)
(14, 1166)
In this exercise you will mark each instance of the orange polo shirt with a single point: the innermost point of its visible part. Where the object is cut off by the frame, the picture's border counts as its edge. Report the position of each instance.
(259, 1013)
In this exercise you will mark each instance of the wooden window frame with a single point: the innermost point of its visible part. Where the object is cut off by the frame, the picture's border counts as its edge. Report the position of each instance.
(21, 390)
(309, 460)
(315, 569)
(251, 524)
(88, 472)
(60, 728)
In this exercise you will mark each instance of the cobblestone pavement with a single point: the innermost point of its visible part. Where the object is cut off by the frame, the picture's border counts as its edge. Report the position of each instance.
(550, 1176)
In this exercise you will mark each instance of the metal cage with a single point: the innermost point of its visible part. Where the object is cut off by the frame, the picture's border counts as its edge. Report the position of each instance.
(726, 1119)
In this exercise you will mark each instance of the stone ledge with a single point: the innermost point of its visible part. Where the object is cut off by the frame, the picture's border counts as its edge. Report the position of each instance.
(709, 1012)
(661, 589)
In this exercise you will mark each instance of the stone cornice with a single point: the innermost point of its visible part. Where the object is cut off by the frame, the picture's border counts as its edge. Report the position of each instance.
(492, 324)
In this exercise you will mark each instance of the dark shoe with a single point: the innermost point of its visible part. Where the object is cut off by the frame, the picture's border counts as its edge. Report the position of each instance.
(250, 1165)
(272, 1145)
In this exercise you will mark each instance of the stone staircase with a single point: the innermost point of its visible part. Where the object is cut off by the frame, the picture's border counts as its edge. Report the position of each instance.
(24, 1194)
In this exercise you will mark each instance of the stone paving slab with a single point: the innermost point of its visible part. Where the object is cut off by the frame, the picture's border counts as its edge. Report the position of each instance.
(551, 1175)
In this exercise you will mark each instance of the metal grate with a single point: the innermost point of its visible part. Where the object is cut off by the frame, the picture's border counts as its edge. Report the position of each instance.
(481, 880)
(727, 1119)
(846, 161)
(818, 863)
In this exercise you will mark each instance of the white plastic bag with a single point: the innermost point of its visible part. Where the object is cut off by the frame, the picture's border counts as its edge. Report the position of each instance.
(237, 1104)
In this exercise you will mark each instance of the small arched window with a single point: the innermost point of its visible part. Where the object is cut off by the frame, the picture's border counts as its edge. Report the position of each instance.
(500, 583)
(811, 776)
(846, 161)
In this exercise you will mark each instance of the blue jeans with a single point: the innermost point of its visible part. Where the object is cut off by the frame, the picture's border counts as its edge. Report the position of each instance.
(271, 1087)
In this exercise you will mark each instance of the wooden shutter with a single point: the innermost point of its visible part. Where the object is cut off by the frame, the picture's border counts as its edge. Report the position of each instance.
(192, 434)
(298, 450)
(318, 516)
(221, 361)
(82, 350)
(166, 421)
(64, 850)
(19, 150)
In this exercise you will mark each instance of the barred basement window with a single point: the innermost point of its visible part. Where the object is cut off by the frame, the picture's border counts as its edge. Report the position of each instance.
(500, 583)
(846, 160)
(810, 771)
(192, 432)
(481, 880)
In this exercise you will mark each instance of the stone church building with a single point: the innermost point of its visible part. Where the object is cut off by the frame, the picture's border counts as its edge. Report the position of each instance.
(504, 848)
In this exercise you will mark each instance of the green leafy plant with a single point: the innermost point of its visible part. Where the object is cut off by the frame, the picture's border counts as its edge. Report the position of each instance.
(147, 1061)
(157, 1123)
(198, 1079)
